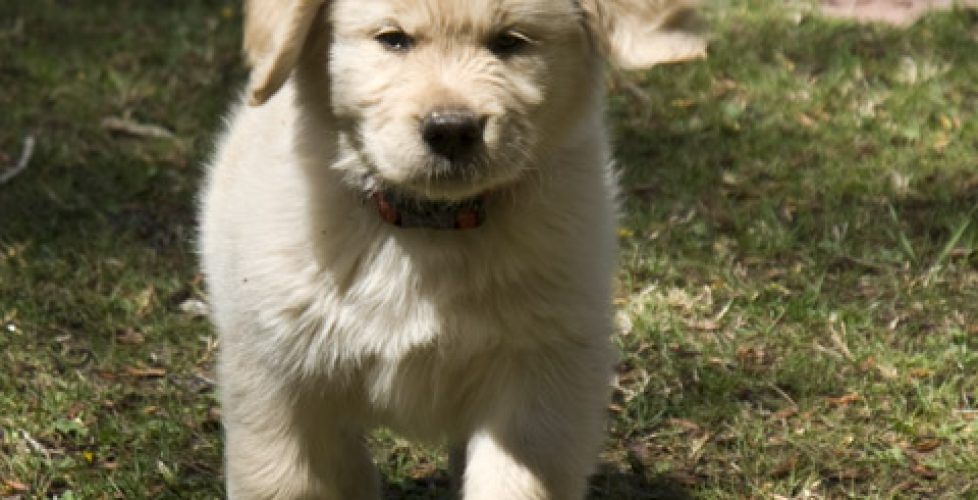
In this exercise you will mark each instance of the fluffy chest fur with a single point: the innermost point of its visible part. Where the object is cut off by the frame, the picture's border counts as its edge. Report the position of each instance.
(309, 281)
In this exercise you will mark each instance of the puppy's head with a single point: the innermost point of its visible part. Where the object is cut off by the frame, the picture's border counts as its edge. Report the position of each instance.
(448, 99)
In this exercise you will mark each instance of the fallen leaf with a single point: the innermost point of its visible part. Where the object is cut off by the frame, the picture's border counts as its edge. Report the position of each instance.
(422, 470)
(624, 323)
(696, 446)
(75, 410)
(887, 372)
(16, 485)
(683, 351)
(144, 301)
(778, 288)
(785, 413)
(923, 471)
(145, 372)
(730, 179)
(687, 425)
(805, 120)
(961, 252)
(967, 415)
(946, 122)
(633, 376)
(194, 308)
(902, 486)
(705, 325)
(921, 373)
(900, 183)
(926, 445)
(130, 336)
(785, 468)
(845, 400)
(166, 471)
(868, 364)
(724, 87)
(941, 142)
(755, 355)
(849, 474)
(131, 128)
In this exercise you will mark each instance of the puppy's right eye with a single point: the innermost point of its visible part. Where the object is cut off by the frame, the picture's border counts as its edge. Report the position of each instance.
(509, 44)
(395, 40)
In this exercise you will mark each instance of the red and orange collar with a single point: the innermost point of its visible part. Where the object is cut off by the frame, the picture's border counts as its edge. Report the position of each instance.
(408, 213)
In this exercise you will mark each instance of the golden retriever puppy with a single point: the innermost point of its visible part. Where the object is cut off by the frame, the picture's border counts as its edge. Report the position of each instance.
(410, 222)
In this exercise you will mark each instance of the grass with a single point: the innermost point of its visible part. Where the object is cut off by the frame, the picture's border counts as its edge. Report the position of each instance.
(798, 281)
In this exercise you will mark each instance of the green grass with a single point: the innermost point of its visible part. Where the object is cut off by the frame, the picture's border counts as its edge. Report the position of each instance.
(798, 283)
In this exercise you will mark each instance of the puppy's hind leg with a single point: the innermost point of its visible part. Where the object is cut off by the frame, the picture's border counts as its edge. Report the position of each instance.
(286, 451)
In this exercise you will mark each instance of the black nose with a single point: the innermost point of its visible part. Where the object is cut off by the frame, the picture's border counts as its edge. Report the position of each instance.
(452, 134)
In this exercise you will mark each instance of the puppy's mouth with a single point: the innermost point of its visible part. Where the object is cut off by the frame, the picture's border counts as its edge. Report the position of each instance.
(407, 212)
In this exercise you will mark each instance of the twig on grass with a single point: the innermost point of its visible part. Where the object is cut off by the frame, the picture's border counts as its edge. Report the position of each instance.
(22, 163)
(34, 445)
(207, 381)
(631, 88)
(128, 127)
(775, 388)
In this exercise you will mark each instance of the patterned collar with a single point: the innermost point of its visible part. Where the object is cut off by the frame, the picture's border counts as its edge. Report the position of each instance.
(408, 213)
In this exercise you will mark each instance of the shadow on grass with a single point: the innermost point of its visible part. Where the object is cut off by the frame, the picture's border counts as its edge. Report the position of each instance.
(614, 485)
(607, 484)
(775, 126)
(66, 68)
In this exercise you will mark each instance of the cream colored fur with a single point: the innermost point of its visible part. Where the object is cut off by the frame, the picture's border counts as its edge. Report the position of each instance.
(333, 322)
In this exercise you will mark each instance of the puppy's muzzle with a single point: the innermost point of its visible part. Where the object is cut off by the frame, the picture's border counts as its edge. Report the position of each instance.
(453, 134)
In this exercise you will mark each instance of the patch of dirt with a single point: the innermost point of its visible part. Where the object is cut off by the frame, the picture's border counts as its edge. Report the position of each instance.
(895, 12)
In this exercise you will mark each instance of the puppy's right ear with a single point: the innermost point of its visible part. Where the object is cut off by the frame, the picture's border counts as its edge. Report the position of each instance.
(275, 32)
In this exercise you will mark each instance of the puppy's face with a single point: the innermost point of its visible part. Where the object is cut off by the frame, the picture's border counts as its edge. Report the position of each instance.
(448, 99)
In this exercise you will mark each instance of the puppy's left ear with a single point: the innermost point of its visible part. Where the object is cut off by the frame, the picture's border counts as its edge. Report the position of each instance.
(638, 34)
(275, 32)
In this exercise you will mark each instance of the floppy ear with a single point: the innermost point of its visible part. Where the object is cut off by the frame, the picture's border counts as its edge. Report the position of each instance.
(637, 34)
(275, 32)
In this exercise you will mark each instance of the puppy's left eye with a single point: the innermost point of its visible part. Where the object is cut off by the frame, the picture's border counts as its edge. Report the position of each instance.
(395, 40)
(509, 43)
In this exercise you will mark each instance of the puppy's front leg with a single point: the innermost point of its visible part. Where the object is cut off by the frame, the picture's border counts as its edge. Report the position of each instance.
(543, 447)
(281, 448)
